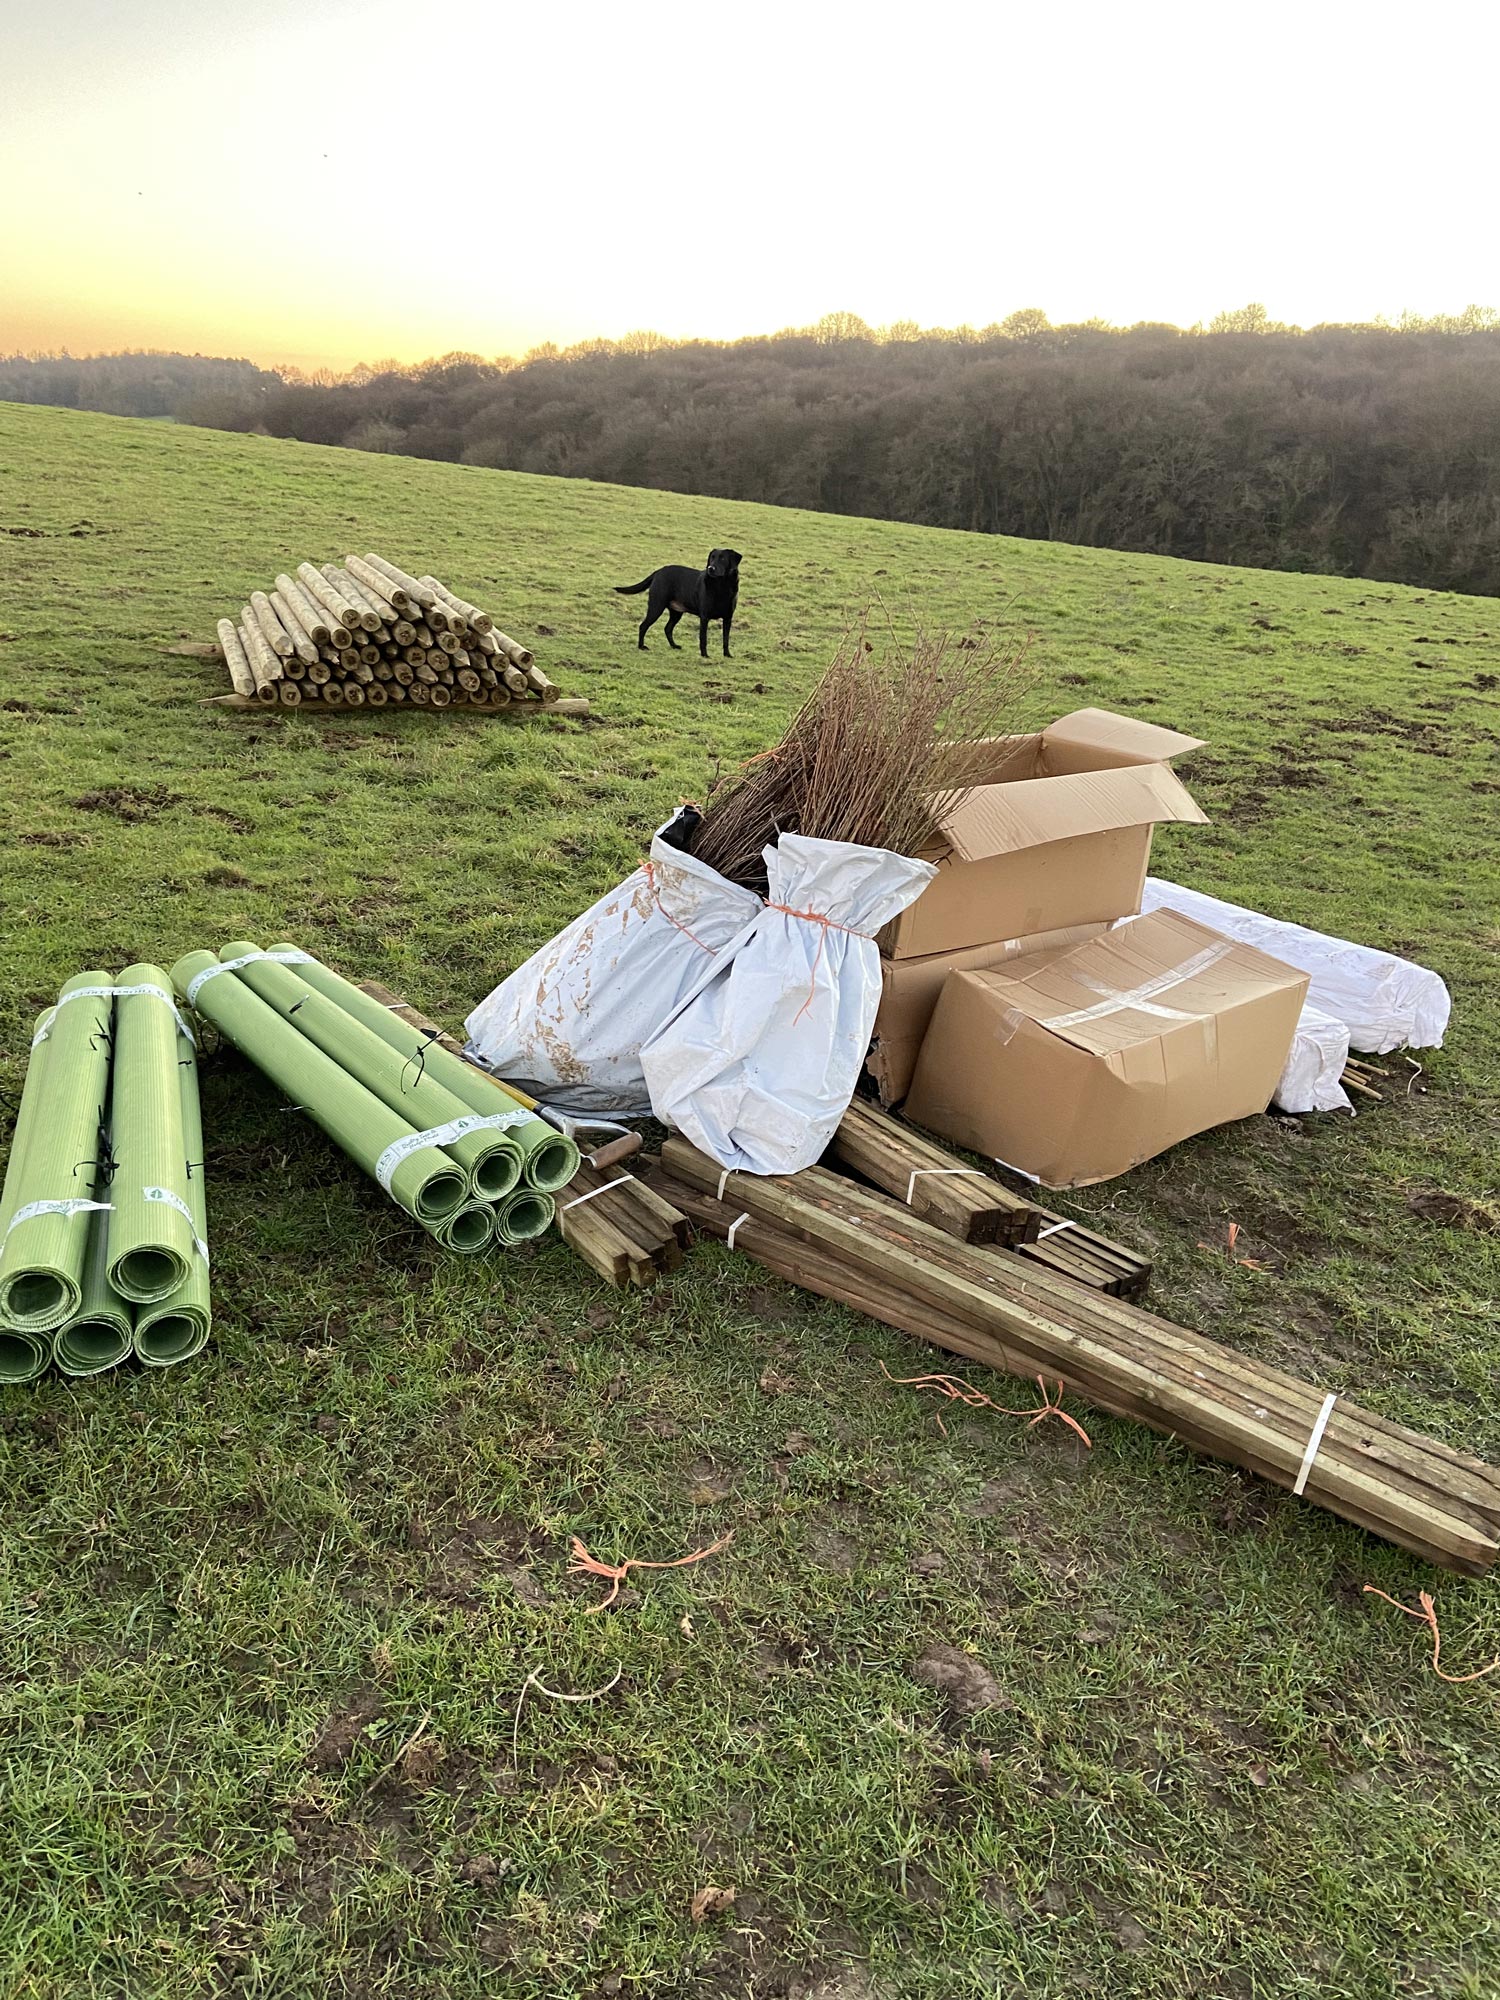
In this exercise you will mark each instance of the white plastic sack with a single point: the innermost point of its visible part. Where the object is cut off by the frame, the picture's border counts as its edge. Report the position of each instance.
(1385, 1002)
(570, 1022)
(759, 1063)
(1320, 1049)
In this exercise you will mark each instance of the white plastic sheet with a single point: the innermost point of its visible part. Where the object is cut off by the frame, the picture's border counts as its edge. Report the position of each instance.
(758, 1064)
(1385, 1002)
(570, 1022)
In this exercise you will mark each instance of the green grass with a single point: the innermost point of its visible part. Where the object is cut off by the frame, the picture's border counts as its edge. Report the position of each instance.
(233, 1593)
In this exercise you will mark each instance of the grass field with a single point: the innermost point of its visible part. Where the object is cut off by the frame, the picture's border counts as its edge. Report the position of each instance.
(265, 1620)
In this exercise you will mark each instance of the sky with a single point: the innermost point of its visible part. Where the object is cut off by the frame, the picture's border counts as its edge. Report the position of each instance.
(321, 182)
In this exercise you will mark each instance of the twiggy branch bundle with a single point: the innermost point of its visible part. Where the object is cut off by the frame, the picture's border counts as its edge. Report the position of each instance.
(866, 757)
(366, 634)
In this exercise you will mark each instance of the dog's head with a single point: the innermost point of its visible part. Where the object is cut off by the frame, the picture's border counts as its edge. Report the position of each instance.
(723, 563)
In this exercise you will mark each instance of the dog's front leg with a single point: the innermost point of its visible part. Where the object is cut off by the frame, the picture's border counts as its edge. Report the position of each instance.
(728, 621)
(703, 636)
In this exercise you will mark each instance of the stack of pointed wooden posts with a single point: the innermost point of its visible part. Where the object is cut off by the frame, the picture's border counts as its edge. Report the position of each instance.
(991, 1305)
(367, 634)
(614, 1221)
(970, 1204)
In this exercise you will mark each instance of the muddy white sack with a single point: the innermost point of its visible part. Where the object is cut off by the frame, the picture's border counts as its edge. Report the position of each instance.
(570, 1022)
(1385, 1002)
(758, 1064)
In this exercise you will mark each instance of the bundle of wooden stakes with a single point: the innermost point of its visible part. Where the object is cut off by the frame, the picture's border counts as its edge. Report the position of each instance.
(627, 1231)
(992, 1304)
(968, 1203)
(368, 634)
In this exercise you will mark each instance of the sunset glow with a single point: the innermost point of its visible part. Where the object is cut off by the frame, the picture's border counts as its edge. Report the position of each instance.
(319, 182)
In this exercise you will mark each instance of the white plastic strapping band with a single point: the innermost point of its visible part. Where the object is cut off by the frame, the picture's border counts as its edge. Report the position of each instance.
(579, 1199)
(719, 1191)
(1139, 998)
(920, 1173)
(734, 1226)
(1313, 1442)
(176, 1201)
(441, 1135)
(111, 993)
(248, 958)
(1052, 1229)
(73, 1207)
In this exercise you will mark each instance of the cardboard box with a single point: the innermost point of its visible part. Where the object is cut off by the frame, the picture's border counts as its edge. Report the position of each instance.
(1077, 1064)
(1055, 832)
(909, 989)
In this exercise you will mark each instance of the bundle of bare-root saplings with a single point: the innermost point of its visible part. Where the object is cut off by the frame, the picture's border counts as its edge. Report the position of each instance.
(367, 635)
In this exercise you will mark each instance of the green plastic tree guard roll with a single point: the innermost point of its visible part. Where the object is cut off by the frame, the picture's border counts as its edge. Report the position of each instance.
(399, 1078)
(526, 1213)
(469, 1231)
(23, 1356)
(178, 1328)
(151, 1235)
(550, 1158)
(98, 1336)
(423, 1181)
(51, 1194)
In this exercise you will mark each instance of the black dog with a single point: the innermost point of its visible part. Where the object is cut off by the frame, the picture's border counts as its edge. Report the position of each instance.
(704, 594)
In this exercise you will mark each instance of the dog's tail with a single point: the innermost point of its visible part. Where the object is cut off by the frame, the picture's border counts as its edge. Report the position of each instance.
(633, 589)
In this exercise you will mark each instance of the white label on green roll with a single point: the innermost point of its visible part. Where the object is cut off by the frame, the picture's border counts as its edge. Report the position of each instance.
(73, 1207)
(442, 1135)
(112, 993)
(249, 958)
(176, 1201)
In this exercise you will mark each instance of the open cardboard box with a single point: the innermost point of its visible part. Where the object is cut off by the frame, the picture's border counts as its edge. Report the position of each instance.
(1055, 832)
(1076, 1064)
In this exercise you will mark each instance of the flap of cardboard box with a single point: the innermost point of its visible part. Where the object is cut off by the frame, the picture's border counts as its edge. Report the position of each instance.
(1004, 819)
(1136, 985)
(1095, 739)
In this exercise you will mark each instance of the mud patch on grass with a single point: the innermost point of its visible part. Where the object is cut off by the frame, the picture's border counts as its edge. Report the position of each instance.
(131, 803)
(344, 1731)
(966, 1685)
(1453, 1211)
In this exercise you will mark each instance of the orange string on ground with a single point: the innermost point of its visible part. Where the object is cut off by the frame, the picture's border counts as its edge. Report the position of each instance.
(827, 924)
(585, 1564)
(1428, 1617)
(649, 871)
(958, 1391)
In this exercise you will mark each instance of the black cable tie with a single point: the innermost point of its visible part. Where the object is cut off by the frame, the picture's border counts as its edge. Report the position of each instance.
(419, 1056)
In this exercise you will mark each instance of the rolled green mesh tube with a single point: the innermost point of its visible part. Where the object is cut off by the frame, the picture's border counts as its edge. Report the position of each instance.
(526, 1213)
(419, 1178)
(151, 1234)
(399, 1078)
(98, 1336)
(550, 1159)
(23, 1356)
(51, 1194)
(468, 1232)
(178, 1328)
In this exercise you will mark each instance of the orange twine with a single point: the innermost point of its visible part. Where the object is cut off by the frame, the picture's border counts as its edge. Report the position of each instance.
(585, 1564)
(649, 871)
(958, 1391)
(827, 924)
(1428, 1617)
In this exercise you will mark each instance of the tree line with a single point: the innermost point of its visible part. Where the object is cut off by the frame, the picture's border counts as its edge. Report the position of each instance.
(1350, 450)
